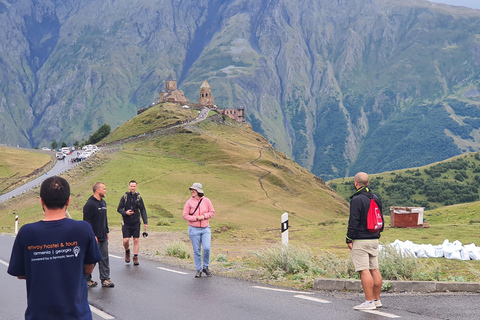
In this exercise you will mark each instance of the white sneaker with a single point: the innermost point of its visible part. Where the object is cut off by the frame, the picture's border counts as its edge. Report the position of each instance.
(378, 303)
(365, 306)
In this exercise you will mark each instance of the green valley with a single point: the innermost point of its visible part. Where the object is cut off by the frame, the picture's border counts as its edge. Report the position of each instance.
(250, 184)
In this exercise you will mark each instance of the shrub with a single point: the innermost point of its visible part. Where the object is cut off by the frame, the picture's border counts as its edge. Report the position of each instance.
(326, 223)
(386, 285)
(163, 223)
(396, 265)
(221, 258)
(282, 260)
(474, 271)
(102, 132)
(177, 249)
(331, 266)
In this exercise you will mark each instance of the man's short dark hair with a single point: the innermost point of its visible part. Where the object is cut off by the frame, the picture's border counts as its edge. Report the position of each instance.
(132, 181)
(55, 192)
(97, 186)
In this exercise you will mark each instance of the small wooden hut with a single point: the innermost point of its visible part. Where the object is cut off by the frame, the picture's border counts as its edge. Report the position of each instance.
(407, 217)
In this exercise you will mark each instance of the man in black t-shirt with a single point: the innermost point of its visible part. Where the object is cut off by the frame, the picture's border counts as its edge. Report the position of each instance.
(95, 213)
(131, 207)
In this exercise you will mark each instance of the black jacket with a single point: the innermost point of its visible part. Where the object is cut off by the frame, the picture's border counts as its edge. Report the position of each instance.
(95, 213)
(135, 202)
(357, 223)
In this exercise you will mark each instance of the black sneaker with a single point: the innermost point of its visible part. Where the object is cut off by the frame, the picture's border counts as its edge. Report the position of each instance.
(198, 274)
(207, 272)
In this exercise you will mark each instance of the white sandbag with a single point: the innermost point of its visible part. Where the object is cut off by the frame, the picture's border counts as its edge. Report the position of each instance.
(457, 243)
(410, 248)
(438, 251)
(421, 253)
(453, 255)
(464, 254)
(430, 251)
(454, 250)
(473, 251)
(403, 248)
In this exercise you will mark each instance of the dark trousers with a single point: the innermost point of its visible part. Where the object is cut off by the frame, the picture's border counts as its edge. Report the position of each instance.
(104, 265)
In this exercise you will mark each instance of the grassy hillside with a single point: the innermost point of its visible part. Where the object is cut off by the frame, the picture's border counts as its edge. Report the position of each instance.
(154, 118)
(19, 165)
(250, 184)
(456, 180)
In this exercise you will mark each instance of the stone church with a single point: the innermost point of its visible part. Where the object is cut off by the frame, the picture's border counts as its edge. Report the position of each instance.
(205, 98)
(171, 93)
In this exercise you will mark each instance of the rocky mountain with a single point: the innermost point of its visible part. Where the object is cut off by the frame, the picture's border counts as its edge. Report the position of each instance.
(340, 86)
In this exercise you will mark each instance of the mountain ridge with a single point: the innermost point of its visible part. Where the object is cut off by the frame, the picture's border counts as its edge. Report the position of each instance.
(325, 82)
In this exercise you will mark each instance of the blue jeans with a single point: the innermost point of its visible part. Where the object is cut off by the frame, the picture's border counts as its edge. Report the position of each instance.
(200, 237)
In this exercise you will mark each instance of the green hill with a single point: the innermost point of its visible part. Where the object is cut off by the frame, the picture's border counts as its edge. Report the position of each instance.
(453, 181)
(249, 182)
(18, 166)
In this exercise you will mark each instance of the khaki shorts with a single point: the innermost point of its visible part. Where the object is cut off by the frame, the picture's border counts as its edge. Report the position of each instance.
(365, 254)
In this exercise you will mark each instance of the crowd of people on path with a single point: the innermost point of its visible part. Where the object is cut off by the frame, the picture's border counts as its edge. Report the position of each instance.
(57, 255)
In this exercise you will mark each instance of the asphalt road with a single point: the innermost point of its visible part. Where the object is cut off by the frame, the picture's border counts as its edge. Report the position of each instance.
(59, 167)
(154, 290)
(157, 291)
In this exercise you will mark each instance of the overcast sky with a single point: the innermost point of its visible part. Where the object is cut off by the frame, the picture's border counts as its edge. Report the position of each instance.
(466, 3)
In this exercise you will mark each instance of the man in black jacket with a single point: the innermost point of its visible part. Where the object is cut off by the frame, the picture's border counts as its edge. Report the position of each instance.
(95, 213)
(131, 207)
(363, 244)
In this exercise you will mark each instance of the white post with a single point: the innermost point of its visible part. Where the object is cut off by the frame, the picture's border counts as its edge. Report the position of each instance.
(285, 228)
(16, 224)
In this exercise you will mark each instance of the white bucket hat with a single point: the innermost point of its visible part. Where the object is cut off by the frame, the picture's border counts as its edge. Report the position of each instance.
(197, 186)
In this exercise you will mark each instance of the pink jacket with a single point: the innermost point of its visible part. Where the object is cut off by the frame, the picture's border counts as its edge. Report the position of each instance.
(205, 208)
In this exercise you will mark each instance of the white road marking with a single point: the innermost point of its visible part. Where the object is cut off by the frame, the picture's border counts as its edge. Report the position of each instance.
(114, 256)
(380, 313)
(281, 290)
(170, 270)
(101, 313)
(300, 296)
(4, 262)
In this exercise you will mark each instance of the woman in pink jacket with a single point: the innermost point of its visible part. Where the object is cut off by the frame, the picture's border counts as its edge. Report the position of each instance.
(197, 211)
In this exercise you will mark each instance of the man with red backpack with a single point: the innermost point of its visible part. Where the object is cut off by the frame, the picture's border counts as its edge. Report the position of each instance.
(362, 240)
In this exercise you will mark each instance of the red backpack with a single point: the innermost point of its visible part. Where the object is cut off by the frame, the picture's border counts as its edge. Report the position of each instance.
(374, 217)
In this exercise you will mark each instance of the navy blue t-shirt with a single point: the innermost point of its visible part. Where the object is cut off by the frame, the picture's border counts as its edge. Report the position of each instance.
(51, 254)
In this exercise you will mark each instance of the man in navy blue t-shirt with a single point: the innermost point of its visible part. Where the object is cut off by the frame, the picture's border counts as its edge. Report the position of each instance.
(53, 255)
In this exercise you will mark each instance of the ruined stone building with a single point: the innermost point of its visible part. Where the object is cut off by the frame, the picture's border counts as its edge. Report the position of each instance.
(171, 93)
(205, 98)
(235, 114)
